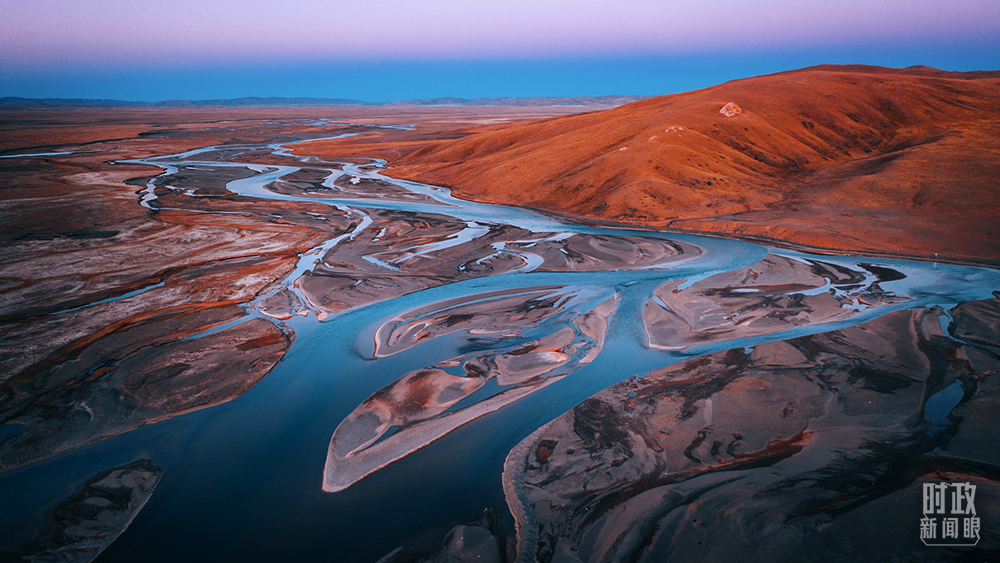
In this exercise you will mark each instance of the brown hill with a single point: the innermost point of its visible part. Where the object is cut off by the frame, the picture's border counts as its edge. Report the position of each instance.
(902, 162)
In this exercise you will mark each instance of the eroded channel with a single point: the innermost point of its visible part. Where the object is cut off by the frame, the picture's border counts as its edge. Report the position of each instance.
(611, 376)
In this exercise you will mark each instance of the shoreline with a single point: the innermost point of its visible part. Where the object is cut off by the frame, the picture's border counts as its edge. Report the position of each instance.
(788, 245)
(230, 246)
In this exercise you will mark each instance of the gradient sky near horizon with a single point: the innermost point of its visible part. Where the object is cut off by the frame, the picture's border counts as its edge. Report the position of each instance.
(383, 50)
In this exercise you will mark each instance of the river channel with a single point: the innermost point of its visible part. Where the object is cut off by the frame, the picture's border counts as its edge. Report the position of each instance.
(389, 420)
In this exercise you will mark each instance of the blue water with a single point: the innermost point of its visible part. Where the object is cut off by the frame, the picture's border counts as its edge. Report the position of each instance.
(242, 479)
(36, 154)
(939, 406)
(111, 299)
(9, 430)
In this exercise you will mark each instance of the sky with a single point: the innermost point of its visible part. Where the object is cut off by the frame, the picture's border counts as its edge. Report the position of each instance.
(386, 50)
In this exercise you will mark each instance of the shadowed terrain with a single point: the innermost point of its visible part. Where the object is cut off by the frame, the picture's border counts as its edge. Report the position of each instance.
(82, 526)
(809, 449)
(709, 398)
(103, 300)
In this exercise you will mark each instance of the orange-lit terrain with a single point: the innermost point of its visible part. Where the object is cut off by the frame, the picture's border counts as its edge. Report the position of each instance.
(197, 304)
(867, 159)
(81, 358)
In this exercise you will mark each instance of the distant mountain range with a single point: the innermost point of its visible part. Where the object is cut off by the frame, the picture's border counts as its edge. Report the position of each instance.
(14, 102)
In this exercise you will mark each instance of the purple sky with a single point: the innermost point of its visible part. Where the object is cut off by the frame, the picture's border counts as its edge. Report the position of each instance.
(153, 49)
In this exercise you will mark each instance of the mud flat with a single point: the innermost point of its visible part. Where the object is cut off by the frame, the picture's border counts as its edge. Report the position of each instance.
(82, 526)
(813, 444)
(853, 158)
(333, 183)
(403, 252)
(78, 313)
(773, 295)
(416, 408)
(99, 292)
(106, 262)
(161, 274)
(482, 541)
(154, 374)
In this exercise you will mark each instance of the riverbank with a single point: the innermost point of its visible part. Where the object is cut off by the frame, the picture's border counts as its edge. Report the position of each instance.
(355, 356)
(884, 162)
